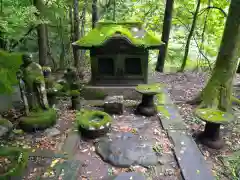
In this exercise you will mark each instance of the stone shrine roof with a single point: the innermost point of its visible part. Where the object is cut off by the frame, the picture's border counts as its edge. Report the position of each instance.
(131, 31)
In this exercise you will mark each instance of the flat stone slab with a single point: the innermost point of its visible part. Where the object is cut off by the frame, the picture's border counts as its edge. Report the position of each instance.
(51, 132)
(71, 142)
(189, 157)
(170, 117)
(129, 175)
(100, 92)
(68, 170)
(125, 149)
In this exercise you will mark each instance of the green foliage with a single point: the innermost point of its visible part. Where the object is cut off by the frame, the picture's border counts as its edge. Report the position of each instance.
(19, 159)
(9, 65)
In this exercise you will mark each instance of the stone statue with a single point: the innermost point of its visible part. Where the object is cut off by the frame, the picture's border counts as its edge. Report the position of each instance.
(33, 78)
(72, 79)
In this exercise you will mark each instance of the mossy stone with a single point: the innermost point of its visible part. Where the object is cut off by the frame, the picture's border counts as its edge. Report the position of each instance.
(213, 115)
(6, 123)
(150, 89)
(38, 120)
(19, 158)
(93, 119)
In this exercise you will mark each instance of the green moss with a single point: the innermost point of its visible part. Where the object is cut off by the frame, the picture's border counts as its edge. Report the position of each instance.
(213, 115)
(9, 65)
(46, 68)
(74, 93)
(163, 111)
(19, 158)
(86, 119)
(161, 98)
(106, 30)
(5, 122)
(39, 119)
(150, 88)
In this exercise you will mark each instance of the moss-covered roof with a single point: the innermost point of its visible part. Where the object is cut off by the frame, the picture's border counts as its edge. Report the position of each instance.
(133, 31)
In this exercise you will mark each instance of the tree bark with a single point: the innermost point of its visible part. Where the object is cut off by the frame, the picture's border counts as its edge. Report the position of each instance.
(218, 91)
(165, 35)
(94, 13)
(62, 54)
(184, 61)
(76, 32)
(42, 39)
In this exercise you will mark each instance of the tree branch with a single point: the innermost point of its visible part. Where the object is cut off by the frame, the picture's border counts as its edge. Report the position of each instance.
(213, 7)
(22, 39)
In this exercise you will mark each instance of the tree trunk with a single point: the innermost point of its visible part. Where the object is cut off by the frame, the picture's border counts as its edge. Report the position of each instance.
(218, 91)
(184, 61)
(42, 39)
(94, 13)
(165, 35)
(2, 41)
(76, 32)
(62, 54)
(49, 52)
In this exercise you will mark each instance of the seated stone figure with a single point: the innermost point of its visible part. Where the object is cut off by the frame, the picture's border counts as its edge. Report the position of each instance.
(33, 78)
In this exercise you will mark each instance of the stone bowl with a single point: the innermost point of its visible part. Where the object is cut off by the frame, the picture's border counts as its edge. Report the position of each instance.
(93, 124)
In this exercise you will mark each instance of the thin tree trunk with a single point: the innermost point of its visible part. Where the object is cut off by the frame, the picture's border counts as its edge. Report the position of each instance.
(218, 91)
(184, 61)
(62, 54)
(165, 35)
(42, 39)
(94, 13)
(114, 10)
(76, 32)
(49, 51)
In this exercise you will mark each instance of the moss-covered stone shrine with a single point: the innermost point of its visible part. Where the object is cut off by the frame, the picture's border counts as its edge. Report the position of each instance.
(119, 52)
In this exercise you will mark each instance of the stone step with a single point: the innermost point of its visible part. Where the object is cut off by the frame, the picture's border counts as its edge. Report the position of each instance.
(189, 157)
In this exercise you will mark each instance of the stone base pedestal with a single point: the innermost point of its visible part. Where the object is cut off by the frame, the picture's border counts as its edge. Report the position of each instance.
(101, 92)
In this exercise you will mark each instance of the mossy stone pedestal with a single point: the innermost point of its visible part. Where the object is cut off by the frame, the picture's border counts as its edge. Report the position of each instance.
(52, 97)
(76, 102)
(148, 91)
(93, 124)
(39, 120)
(76, 99)
(214, 119)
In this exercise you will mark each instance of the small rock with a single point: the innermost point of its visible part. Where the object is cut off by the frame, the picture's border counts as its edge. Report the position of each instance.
(5, 126)
(114, 104)
(169, 172)
(51, 132)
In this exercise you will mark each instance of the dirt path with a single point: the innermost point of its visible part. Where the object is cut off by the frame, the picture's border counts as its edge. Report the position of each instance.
(94, 168)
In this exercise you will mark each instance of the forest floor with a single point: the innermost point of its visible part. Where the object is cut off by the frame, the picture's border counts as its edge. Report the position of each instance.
(184, 87)
(181, 86)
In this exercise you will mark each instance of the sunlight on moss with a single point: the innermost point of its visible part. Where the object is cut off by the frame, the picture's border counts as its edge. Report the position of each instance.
(150, 88)
(106, 30)
(163, 110)
(95, 119)
(213, 115)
